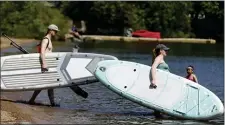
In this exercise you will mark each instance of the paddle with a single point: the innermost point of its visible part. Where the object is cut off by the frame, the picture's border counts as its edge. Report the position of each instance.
(75, 88)
(16, 45)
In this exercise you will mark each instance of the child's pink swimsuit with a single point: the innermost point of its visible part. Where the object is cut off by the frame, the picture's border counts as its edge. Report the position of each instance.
(190, 77)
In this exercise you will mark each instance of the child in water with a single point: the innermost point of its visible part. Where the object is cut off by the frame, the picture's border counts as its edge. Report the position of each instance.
(190, 74)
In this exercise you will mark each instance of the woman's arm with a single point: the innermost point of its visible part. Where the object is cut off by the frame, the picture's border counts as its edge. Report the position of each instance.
(43, 49)
(153, 69)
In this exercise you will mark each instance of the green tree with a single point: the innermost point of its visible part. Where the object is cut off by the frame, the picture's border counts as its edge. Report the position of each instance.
(203, 19)
(208, 19)
(30, 19)
(168, 18)
(165, 17)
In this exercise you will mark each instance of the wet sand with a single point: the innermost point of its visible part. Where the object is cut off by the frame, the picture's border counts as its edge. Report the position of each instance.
(12, 113)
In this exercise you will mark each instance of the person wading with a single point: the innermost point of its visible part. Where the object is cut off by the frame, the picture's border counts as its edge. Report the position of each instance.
(159, 53)
(45, 46)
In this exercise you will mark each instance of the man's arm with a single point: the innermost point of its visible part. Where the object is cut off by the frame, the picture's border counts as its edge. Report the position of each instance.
(43, 49)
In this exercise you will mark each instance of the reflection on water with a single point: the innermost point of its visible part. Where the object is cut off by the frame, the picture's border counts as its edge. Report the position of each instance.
(105, 107)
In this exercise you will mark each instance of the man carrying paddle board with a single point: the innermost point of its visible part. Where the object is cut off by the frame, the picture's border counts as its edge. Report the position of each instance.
(44, 47)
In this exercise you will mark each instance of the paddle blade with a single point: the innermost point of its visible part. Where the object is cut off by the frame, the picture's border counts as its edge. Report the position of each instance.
(79, 91)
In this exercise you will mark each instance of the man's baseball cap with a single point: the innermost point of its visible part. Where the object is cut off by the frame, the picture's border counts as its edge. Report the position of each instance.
(53, 27)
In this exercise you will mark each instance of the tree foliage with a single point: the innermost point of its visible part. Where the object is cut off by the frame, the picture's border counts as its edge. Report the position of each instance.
(202, 19)
(208, 19)
(30, 19)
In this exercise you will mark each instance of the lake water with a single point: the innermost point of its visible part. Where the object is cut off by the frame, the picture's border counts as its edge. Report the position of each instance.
(105, 107)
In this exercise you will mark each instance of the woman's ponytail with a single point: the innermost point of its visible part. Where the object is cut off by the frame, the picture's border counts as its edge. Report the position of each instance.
(153, 55)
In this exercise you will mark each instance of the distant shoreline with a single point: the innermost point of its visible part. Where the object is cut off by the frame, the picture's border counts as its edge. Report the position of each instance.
(5, 43)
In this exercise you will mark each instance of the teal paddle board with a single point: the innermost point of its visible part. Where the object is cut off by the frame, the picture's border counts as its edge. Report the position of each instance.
(175, 95)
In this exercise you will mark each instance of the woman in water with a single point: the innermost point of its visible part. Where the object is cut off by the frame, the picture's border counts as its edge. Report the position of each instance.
(159, 53)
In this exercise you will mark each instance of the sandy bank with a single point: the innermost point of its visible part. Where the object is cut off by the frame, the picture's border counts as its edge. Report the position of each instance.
(10, 112)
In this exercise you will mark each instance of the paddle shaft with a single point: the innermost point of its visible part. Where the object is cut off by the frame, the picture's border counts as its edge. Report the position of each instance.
(16, 45)
(74, 88)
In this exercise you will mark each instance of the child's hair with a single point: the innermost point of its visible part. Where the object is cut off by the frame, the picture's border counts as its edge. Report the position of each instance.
(155, 53)
(191, 67)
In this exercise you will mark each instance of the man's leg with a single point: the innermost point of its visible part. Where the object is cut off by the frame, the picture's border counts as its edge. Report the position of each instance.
(36, 92)
(51, 96)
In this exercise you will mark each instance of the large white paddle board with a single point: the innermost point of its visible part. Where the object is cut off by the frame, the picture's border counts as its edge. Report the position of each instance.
(23, 72)
(175, 95)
